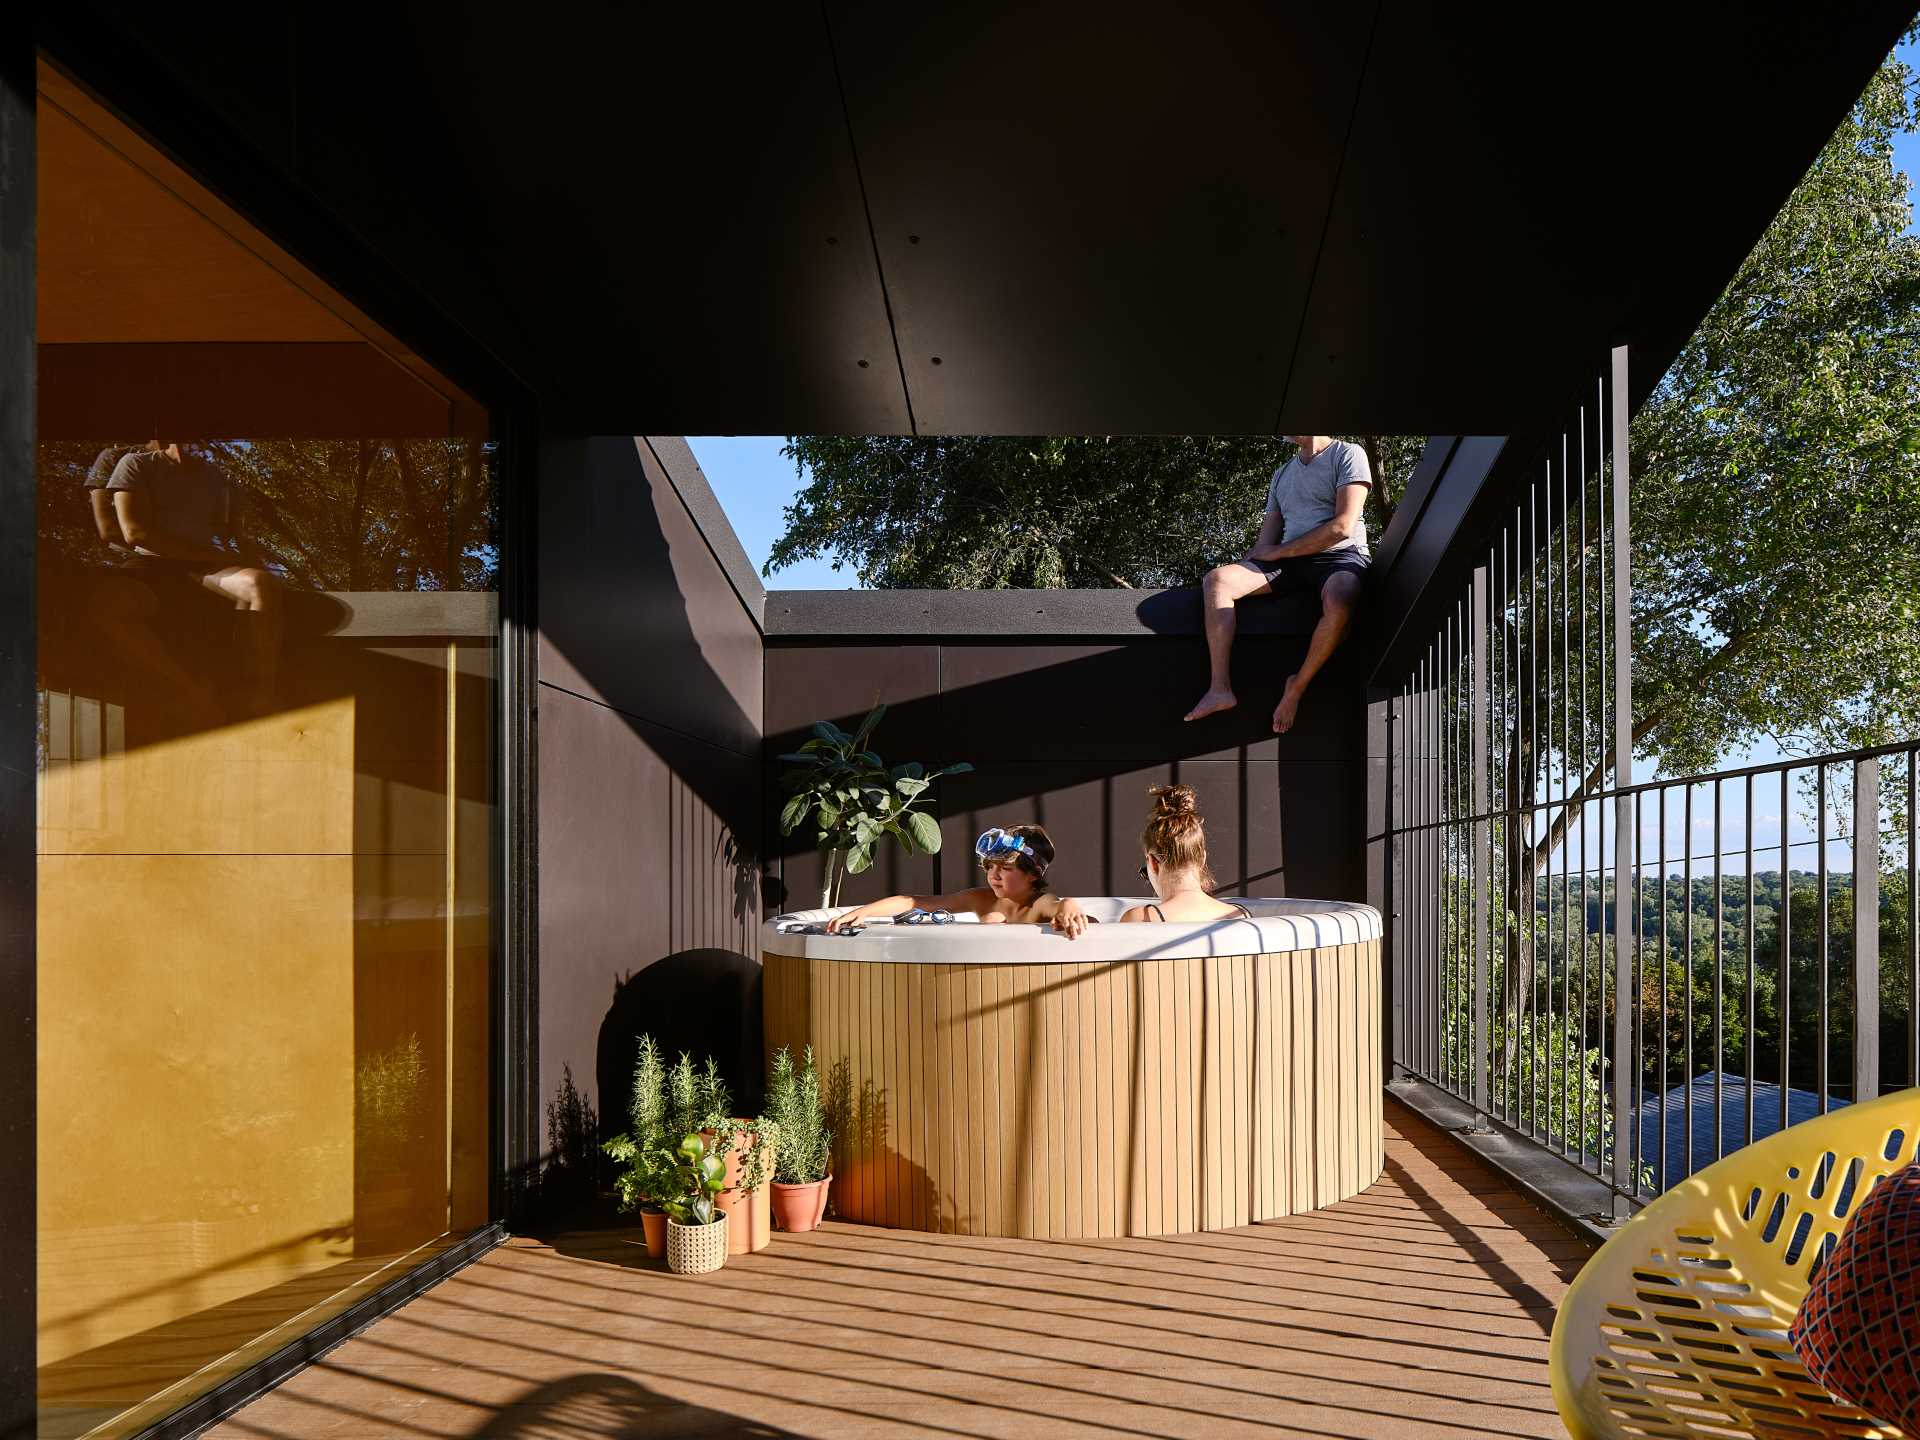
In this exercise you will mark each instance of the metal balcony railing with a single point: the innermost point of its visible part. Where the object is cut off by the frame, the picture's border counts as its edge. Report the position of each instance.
(1722, 999)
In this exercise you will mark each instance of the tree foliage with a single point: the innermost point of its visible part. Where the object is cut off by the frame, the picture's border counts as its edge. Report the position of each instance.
(375, 514)
(988, 512)
(1776, 561)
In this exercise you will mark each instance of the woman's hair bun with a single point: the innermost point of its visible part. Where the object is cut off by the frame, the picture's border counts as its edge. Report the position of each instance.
(1175, 800)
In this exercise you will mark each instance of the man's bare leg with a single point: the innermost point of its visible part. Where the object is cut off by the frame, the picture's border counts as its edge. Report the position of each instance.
(1337, 598)
(1219, 592)
(256, 594)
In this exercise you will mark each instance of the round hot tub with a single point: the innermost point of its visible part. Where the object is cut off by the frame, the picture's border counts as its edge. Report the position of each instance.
(1158, 1079)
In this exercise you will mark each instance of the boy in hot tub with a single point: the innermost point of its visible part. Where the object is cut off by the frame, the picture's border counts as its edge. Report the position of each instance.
(1016, 861)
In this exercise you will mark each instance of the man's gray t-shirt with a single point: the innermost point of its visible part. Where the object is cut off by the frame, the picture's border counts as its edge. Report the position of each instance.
(1306, 495)
(187, 498)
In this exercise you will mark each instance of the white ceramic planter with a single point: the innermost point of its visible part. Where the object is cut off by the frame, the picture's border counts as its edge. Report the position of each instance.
(696, 1249)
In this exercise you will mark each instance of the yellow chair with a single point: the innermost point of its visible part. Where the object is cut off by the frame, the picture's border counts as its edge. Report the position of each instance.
(1678, 1326)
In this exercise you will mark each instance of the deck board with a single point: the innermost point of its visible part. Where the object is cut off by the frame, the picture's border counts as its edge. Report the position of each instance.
(1419, 1308)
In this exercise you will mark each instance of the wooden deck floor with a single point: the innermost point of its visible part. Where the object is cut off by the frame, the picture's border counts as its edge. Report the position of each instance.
(1420, 1308)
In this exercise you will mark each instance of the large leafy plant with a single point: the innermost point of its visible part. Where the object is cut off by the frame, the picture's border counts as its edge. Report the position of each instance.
(853, 801)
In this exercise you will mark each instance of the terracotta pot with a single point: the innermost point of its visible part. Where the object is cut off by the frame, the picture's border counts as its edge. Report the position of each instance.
(654, 1222)
(696, 1249)
(798, 1208)
(752, 1211)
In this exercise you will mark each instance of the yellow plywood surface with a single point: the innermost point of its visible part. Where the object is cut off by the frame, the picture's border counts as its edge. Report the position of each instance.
(197, 1084)
(279, 785)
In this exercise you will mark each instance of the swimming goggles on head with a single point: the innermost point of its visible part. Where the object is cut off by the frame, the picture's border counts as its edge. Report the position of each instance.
(998, 844)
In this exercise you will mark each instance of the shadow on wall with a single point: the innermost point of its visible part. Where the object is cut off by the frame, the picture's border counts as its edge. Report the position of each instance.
(1071, 735)
(703, 1002)
(619, 580)
(612, 1407)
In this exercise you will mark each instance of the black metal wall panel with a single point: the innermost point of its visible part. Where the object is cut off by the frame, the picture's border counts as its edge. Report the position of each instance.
(1071, 736)
(1139, 188)
(650, 816)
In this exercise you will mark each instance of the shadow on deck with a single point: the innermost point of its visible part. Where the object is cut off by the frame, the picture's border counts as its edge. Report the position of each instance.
(1420, 1307)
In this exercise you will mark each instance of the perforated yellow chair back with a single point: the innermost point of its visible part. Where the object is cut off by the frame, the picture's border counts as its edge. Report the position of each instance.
(1678, 1325)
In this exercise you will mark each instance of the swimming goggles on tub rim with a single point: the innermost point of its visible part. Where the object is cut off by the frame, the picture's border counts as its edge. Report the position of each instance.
(917, 916)
(998, 844)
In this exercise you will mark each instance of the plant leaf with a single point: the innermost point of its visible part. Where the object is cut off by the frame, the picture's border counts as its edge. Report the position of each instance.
(859, 858)
(866, 725)
(832, 734)
(908, 786)
(793, 812)
(926, 833)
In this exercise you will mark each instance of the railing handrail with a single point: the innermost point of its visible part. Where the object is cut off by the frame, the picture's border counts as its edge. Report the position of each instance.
(1643, 787)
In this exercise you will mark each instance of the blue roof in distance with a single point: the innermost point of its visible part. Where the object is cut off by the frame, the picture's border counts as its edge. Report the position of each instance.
(1801, 1105)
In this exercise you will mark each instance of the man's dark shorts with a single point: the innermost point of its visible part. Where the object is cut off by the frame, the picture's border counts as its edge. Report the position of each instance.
(1310, 572)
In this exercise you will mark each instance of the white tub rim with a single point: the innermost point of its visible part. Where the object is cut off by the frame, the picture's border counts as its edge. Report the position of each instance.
(1277, 927)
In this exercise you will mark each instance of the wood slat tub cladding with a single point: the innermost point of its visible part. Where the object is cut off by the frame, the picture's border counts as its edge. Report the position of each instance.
(1078, 1101)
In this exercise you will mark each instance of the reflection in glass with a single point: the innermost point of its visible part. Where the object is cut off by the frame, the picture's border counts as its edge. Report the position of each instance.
(266, 643)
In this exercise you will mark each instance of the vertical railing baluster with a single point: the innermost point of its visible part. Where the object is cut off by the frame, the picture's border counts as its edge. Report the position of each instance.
(1913, 917)
(1826, 1014)
(1866, 928)
(1785, 1006)
(1437, 783)
(1751, 954)
(1536, 931)
(1448, 1030)
(1621, 477)
(1686, 971)
(1430, 957)
(1481, 857)
(1396, 875)
(1580, 781)
(1574, 1049)
(1639, 978)
(1719, 985)
(1666, 1013)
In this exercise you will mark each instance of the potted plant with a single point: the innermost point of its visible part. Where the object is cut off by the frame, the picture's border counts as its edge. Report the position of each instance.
(853, 801)
(747, 1148)
(696, 1226)
(645, 1150)
(802, 1172)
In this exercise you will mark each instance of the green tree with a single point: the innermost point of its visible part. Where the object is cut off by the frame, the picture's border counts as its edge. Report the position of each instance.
(1777, 489)
(1776, 507)
(989, 512)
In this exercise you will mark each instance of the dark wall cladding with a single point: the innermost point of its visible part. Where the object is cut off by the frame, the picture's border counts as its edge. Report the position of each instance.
(1071, 736)
(649, 796)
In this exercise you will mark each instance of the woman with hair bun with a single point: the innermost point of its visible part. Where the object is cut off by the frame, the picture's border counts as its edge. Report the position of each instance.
(1175, 848)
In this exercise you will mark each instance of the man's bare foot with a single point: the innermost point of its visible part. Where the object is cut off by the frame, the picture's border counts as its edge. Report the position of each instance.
(1289, 707)
(1212, 703)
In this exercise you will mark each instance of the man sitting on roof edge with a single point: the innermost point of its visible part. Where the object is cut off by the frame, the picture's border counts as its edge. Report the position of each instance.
(1313, 536)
